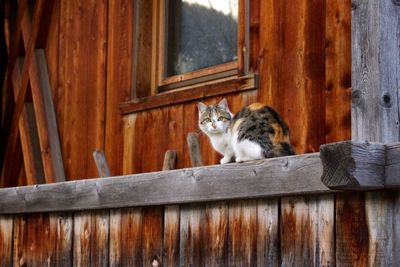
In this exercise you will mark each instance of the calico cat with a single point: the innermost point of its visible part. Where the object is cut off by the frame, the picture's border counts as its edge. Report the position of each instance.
(255, 132)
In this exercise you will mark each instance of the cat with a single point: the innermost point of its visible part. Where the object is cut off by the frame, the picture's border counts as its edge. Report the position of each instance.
(255, 132)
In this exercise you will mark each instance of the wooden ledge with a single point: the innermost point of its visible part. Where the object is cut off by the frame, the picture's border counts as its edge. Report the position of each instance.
(360, 166)
(196, 92)
(284, 176)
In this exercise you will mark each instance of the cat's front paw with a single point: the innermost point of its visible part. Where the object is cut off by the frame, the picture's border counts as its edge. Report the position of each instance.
(225, 160)
(239, 160)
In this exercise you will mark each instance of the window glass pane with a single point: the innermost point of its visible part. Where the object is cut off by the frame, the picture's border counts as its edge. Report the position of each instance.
(199, 34)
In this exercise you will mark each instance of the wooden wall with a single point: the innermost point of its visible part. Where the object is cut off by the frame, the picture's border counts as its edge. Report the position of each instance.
(301, 51)
(317, 230)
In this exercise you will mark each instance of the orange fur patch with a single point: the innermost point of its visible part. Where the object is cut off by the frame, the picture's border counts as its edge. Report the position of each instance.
(256, 106)
(278, 137)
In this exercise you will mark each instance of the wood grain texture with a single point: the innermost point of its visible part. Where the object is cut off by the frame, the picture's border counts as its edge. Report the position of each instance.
(264, 178)
(192, 235)
(171, 239)
(216, 234)
(81, 93)
(91, 242)
(353, 165)
(242, 233)
(126, 230)
(352, 233)
(307, 231)
(20, 240)
(119, 79)
(292, 64)
(392, 167)
(338, 71)
(268, 250)
(194, 149)
(101, 163)
(62, 247)
(375, 74)
(152, 235)
(6, 240)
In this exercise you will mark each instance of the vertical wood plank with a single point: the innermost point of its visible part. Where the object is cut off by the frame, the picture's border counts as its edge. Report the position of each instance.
(338, 71)
(216, 234)
(171, 235)
(152, 235)
(375, 111)
(242, 240)
(6, 240)
(307, 231)
(130, 142)
(81, 94)
(352, 234)
(126, 230)
(62, 255)
(267, 233)
(20, 241)
(293, 67)
(91, 243)
(192, 251)
(119, 78)
(375, 71)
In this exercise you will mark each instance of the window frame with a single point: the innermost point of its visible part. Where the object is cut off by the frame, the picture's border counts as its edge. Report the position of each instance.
(205, 74)
(217, 80)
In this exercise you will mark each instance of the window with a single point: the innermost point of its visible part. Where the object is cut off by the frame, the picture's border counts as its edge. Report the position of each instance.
(198, 35)
(188, 44)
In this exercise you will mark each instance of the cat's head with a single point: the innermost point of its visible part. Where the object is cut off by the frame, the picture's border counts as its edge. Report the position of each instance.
(214, 119)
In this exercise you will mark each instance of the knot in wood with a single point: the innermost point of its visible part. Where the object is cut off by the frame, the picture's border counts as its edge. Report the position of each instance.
(396, 2)
(356, 97)
(386, 100)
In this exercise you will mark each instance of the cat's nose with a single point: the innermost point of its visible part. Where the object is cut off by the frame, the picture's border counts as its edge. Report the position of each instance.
(214, 125)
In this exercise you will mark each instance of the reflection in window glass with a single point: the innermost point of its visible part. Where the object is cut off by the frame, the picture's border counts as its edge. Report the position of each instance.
(199, 34)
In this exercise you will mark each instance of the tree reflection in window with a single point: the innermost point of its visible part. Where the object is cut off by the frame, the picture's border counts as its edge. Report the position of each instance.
(199, 34)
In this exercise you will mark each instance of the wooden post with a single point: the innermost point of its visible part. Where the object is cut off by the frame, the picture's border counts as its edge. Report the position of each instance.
(101, 163)
(169, 160)
(366, 230)
(194, 149)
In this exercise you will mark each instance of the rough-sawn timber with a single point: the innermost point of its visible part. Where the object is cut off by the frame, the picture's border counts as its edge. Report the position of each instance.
(265, 178)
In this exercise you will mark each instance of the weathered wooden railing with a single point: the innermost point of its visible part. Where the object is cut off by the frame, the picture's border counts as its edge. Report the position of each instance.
(269, 212)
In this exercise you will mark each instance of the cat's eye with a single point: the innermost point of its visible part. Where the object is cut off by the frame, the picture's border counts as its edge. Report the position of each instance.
(221, 119)
(206, 120)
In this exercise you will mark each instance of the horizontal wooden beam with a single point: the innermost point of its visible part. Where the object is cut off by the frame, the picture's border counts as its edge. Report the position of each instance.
(361, 166)
(265, 178)
(197, 92)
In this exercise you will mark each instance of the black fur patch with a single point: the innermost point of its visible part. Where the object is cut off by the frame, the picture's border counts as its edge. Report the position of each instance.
(258, 126)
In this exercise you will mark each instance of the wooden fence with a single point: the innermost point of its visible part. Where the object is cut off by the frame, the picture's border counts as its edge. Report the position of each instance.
(264, 213)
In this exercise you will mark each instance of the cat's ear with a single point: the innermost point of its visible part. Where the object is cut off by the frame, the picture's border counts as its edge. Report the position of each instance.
(201, 106)
(223, 103)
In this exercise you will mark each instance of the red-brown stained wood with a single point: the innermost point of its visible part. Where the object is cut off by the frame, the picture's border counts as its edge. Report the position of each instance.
(20, 240)
(6, 240)
(254, 34)
(338, 71)
(62, 245)
(119, 78)
(91, 243)
(352, 235)
(177, 139)
(267, 232)
(293, 67)
(81, 93)
(242, 233)
(51, 49)
(152, 235)
(216, 234)
(307, 231)
(171, 235)
(126, 230)
(192, 239)
(130, 143)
